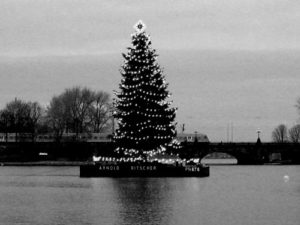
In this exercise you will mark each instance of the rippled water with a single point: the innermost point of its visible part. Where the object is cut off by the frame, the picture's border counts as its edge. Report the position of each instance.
(232, 195)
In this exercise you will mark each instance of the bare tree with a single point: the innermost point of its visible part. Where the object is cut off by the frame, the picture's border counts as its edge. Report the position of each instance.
(79, 110)
(78, 103)
(35, 113)
(279, 134)
(298, 105)
(44, 126)
(100, 111)
(21, 118)
(6, 123)
(294, 134)
(57, 116)
(19, 114)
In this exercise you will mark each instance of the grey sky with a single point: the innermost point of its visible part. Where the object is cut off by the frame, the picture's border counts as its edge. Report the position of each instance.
(226, 61)
(93, 26)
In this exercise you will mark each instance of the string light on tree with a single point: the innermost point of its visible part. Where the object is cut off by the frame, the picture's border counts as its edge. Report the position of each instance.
(146, 120)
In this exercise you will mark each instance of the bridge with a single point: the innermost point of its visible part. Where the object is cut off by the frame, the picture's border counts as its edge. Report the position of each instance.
(247, 153)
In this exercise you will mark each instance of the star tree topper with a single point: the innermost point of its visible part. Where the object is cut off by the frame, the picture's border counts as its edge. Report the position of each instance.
(139, 26)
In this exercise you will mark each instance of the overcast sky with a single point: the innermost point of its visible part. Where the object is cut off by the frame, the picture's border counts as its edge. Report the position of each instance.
(227, 62)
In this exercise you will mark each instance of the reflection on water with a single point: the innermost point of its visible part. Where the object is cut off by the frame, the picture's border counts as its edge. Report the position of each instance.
(144, 200)
(232, 195)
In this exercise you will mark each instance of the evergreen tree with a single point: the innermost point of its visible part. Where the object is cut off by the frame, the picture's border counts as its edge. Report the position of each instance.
(145, 119)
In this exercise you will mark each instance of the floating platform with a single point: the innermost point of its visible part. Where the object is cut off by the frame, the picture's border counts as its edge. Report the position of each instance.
(130, 169)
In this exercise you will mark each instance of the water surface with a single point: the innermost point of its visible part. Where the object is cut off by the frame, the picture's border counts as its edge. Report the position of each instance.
(232, 195)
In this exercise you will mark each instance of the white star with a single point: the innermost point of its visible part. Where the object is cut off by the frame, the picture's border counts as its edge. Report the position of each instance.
(139, 26)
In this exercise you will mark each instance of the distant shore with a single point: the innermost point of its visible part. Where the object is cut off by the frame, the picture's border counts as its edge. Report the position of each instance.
(46, 163)
(80, 163)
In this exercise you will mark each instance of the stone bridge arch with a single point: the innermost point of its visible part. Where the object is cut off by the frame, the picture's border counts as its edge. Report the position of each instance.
(223, 157)
(244, 153)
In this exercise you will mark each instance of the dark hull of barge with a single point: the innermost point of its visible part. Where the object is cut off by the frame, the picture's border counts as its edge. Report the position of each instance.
(143, 170)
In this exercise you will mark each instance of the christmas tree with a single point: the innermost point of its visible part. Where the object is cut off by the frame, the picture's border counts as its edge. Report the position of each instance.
(145, 119)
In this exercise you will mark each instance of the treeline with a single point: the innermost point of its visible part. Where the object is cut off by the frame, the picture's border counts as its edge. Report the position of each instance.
(77, 110)
(282, 134)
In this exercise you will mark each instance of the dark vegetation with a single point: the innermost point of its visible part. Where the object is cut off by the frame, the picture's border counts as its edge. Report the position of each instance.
(76, 111)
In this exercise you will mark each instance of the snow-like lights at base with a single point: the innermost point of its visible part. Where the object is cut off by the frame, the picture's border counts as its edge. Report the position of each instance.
(140, 159)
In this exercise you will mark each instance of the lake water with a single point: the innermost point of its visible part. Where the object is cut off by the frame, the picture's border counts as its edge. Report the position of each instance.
(232, 195)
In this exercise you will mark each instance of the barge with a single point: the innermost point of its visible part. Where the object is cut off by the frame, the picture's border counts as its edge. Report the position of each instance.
(145, 169)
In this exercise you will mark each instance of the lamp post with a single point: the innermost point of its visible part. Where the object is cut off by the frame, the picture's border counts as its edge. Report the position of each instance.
(258, 136)
(182, 128)
(258, 133)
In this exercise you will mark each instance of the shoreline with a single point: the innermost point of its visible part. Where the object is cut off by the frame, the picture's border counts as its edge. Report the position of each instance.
(46, 163)
(81, 163)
